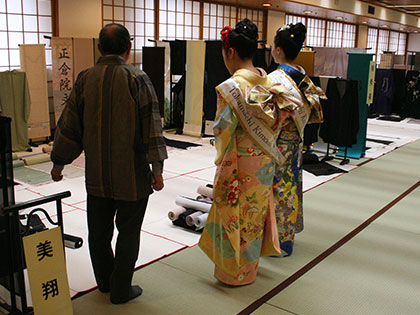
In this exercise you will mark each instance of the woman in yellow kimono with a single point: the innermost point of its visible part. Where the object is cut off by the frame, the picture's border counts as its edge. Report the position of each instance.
(241, 225)
(287, 185)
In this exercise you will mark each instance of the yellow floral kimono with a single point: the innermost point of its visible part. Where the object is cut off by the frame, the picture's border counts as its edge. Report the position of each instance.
(241, 225)
(287, 182)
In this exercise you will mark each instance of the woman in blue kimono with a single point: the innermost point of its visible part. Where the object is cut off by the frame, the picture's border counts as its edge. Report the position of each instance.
(287, 184)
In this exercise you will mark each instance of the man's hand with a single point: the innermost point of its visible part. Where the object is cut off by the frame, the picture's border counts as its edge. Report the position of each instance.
(157, 183)
(56, 175)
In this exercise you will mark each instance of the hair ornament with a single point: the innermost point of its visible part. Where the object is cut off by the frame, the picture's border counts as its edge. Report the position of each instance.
(225, 36)
(284, 27)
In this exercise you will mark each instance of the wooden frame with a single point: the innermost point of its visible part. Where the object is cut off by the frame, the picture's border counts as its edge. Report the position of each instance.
(376, 48)
(327, 21)
(24, 32)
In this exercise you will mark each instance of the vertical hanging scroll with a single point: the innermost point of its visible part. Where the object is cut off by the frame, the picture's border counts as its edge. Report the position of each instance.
(194, 88)
(167, 84)
(83, 55)
(32, 61)
(62, 66)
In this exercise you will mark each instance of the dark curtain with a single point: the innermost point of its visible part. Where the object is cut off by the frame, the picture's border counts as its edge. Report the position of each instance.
(154, 66)
(216, 73)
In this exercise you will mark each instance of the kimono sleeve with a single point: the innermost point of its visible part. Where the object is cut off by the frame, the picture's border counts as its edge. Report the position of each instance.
(224, 127)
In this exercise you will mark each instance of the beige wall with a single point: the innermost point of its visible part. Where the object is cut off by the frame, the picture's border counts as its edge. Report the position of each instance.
(413, 42)
(362, 36)
(79, 18)
(275, 20)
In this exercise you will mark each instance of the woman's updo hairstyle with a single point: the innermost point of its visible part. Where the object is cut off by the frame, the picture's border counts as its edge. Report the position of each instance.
(290, 38)
(243, 38)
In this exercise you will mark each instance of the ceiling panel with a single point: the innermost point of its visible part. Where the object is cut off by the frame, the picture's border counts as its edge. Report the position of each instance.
(294, 7)
(406, 6)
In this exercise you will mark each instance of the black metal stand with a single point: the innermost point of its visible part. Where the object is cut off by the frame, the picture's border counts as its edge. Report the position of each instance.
(16, 255)
(327, 157)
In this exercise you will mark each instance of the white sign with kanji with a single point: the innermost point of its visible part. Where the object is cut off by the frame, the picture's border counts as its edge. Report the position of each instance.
(46, 266)
(62, 70)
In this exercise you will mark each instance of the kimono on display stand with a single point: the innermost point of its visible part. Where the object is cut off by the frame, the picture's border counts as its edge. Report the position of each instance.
(361, 68)
(341, 116)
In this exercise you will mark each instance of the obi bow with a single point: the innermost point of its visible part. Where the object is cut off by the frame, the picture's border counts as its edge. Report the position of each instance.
(273, 105)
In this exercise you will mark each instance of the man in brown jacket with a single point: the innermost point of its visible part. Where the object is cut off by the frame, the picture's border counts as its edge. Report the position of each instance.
(113, 115)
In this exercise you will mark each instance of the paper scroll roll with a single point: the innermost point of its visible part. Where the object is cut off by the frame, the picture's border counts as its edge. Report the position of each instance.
(174, 214)
(200, 221)
(36, 159)
(205, 191)
(18, 163)
(193, 204)
(47, 149)
(190, 219)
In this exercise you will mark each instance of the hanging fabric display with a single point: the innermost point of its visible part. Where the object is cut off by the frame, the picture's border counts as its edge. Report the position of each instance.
(384, 92)
(15, 104)
(167, 82)
(62, 67)
(194, 87)
(96, 52)
(32, 61)
(306, 59)
(341, 113)
(154, 66)
(83, 55)
(332, 61)
(216, 73)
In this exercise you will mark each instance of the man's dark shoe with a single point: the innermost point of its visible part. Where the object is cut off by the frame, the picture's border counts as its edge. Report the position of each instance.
(103, 289)
(134, 292)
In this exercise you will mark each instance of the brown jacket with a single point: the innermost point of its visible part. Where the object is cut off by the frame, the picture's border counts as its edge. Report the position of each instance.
(113, 115)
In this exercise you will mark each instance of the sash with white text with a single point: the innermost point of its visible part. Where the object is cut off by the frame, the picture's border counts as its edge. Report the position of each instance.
(262, 135)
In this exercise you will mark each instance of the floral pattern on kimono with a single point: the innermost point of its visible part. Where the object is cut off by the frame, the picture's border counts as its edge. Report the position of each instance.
(241, 225)
(288, 193)
(287, 183)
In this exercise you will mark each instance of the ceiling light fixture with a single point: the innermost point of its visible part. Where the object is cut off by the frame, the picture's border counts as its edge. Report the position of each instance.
(266, 4)
(403, 6)
(339, 18)
(307, 11)
(364, 22)
(384, 25)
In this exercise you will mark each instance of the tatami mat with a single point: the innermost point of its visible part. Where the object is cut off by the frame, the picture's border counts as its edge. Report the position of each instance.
(379, 263)
(375, 273)
(331, 211)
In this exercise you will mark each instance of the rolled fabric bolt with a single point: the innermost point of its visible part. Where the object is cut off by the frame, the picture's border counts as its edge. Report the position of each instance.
(190, 219)
(36, 159)
(174, 214)
(205, 191)
(193, 204)
(204, 199)
(14, 156)
(18, 163)
(200, 221)
(47, 149)
(72, 241)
